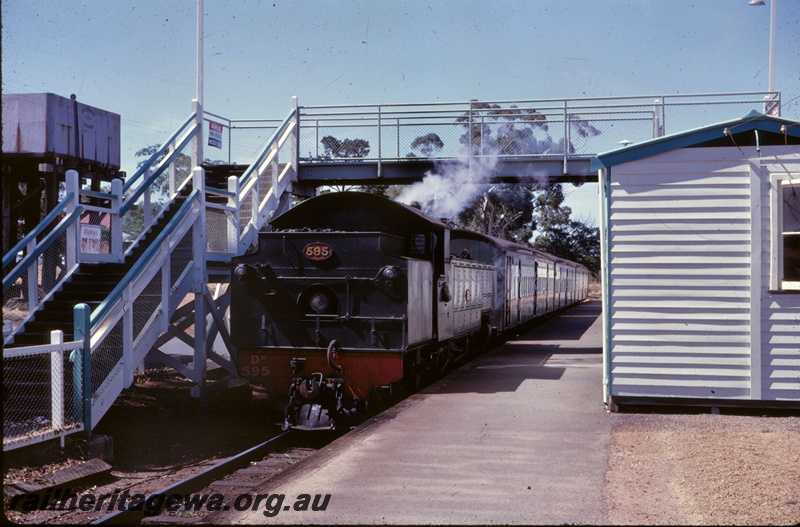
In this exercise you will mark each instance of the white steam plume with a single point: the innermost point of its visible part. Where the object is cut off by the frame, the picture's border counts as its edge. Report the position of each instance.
(452, 187)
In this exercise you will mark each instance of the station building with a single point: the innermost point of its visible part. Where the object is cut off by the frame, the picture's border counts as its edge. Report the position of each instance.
(700, 235)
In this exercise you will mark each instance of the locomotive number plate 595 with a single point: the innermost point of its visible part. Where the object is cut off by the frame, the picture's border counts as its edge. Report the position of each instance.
(318, 251)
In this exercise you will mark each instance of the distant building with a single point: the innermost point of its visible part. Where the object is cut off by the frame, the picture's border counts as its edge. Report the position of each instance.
(44, 135)
(701, 262)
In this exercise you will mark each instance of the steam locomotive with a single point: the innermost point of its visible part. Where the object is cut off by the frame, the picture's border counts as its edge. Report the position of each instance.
(353, 297)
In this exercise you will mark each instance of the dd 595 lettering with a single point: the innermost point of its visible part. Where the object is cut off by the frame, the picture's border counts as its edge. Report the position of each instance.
(255, 368)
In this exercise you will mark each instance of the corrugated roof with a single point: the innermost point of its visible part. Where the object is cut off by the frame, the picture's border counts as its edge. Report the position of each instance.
(715, 132)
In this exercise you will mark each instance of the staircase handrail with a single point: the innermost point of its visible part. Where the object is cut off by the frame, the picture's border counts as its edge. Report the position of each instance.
(116, 294)
(153, 159)
(253, 168)
(130, 200)
(33, 256)
(55, 213)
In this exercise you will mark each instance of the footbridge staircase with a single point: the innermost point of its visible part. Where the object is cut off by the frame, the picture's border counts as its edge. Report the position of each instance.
(140, 268)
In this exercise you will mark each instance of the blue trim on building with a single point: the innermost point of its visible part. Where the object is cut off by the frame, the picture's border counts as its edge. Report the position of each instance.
(752, 121)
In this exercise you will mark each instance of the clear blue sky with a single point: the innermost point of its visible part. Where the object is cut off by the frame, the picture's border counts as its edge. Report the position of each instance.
(137, 57)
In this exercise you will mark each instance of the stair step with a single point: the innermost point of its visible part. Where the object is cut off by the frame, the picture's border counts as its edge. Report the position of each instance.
(67, 305)
(102, 268)
(46, 327)
(95, 287)
(89, 293)
(35, 339)
(54, 316)
(108, 276)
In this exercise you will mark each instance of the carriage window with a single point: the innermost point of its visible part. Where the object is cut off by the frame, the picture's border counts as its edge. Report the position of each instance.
(789, 234)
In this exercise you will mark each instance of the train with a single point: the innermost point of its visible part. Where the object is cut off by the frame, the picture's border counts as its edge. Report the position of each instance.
(350, 298)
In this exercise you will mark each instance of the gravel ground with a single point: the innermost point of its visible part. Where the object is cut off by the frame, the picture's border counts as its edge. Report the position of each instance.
(703, 470)
(161, 436)
(663, 469)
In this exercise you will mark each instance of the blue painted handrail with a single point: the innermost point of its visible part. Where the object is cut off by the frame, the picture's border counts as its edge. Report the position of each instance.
(154, 158)
(12, 254)
(30, 259)
(252, 169)
(131, 200)
(114, 296)
(101, 195)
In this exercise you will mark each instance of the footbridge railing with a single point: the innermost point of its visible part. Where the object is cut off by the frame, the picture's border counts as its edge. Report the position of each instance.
(513, 130)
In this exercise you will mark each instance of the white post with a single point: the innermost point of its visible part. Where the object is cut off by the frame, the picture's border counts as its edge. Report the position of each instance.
(127, 336)
(148, 216)
(198, 102)
(73, 232)
(234, 225)
(57, 382)
(33, 279)
(166, 285)
(658, 131)
(199, 280)
(773, 12)
(295, 144)
(199, 230)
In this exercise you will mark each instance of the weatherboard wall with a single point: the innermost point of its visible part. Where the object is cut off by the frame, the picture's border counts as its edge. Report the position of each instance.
(688, 268)
(780, 312)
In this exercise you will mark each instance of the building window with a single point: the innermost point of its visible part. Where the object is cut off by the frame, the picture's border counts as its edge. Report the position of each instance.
(786, 233)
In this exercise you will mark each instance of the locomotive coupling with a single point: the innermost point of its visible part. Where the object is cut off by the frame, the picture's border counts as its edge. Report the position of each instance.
(317, 403)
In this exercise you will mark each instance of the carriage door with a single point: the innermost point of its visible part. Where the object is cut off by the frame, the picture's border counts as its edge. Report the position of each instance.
(519, 293)
(509, 290)
(535, 289)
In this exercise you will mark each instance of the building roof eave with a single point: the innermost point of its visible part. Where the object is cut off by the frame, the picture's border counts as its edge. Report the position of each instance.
(697, 136)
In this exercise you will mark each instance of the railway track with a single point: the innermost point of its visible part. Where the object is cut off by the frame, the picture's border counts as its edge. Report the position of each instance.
(218, 486)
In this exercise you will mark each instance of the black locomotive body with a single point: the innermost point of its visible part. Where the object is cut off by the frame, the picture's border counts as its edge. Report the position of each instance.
(353, 296)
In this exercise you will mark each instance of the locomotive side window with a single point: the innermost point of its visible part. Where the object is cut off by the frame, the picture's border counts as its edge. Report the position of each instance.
(419, 244)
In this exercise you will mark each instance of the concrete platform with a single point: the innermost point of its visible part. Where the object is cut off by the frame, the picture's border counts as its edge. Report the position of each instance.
(518, 436)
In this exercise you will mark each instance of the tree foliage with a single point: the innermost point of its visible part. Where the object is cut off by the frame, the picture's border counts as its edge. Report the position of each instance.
(528, 213)
(133, 222)
(345, 148)
(558, 234)
(503, 211)
(427, 145)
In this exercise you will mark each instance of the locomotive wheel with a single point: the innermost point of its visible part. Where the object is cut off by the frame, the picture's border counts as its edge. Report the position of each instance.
(375, 401)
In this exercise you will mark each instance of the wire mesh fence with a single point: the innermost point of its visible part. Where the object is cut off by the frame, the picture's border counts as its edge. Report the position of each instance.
(159, 194)
(240, 141)
(106, 354)
(42, 390)
(529, 129)
(217, 221)
(35, 271)
(147, 305)
(180, 261)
